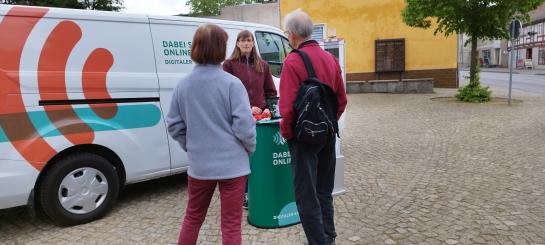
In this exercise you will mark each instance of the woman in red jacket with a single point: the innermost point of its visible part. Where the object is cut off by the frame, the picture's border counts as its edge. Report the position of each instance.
(254, 72)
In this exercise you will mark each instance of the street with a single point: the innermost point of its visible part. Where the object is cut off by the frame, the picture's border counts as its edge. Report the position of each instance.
(524, 82)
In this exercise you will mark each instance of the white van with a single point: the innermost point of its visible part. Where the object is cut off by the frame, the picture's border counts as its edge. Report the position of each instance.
(83, 96)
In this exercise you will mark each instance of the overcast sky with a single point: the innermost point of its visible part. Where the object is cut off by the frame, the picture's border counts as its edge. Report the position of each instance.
(155, 7)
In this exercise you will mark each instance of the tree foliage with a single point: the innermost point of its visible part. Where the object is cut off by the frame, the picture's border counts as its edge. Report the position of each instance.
(213, 7)
(479, 19)
(107, 5)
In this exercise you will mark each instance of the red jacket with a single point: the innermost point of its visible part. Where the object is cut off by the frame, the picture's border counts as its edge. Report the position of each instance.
(327, 69)
(258, 85)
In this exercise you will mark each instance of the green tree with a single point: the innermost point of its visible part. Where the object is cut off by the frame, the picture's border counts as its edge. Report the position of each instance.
(479, 19)
(213, 7)
(107, 5)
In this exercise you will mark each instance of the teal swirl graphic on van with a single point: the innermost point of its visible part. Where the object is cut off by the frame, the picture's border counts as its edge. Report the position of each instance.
(278, 139)
(127, 117)
(3, 137)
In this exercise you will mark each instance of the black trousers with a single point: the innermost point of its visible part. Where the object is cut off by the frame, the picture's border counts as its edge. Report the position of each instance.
(314, 176)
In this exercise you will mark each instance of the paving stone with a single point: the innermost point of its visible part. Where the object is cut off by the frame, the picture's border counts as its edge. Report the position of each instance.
(401, 230)
(389, 242)
(354, 238)
(509, 223)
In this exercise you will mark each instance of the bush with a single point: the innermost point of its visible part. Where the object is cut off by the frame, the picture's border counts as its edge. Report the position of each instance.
(474, 94)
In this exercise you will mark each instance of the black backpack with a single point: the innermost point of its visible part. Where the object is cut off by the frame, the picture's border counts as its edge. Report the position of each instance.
(315, 108)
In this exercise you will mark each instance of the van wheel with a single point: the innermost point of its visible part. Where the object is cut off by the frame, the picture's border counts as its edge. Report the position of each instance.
(78, 189)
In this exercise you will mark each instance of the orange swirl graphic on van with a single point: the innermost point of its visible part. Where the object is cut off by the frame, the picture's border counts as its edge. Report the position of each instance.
(19, 126)
(94, 81)
(52, 84)
(16, 124)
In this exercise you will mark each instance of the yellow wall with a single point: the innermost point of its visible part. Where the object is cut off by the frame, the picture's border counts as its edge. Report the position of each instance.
(361, 22)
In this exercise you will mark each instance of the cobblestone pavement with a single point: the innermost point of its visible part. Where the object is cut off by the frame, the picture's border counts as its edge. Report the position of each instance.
(418, 171)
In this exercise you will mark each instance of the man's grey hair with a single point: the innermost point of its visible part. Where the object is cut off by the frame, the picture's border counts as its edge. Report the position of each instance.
(299, 23)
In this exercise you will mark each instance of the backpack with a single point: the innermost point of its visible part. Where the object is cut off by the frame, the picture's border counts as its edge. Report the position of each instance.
(315, 107)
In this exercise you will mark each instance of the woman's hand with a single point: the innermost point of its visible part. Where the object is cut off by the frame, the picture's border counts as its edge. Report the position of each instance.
(256, 110)
(266, 112)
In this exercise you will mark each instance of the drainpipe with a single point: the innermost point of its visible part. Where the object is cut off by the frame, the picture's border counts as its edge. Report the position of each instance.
(458, 61)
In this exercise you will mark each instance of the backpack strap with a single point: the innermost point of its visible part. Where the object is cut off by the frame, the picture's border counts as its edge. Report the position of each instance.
(308, 64)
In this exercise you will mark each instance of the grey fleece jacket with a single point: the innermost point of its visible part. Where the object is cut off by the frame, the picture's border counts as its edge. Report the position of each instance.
(210, 117)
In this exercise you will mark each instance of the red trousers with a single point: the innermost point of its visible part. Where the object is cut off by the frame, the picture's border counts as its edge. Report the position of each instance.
(200, 195)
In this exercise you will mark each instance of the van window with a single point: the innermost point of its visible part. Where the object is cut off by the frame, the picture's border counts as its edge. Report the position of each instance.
(287, 45)
(273, 48)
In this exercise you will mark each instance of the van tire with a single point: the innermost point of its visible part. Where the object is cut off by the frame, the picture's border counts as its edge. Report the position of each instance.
(82, 176)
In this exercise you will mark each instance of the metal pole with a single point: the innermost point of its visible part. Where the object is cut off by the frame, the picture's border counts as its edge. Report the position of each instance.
(511, 59)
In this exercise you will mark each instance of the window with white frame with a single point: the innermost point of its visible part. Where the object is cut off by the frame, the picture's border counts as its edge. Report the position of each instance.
(318, 32)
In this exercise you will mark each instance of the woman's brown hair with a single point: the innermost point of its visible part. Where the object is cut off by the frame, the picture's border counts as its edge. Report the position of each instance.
(209, 45)
(237, 54)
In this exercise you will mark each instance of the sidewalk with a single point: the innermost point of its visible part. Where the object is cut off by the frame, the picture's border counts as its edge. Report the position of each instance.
(417, 171)
(506, 70)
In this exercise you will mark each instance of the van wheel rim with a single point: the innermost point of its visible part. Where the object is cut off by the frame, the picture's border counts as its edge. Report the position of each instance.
(83, 190)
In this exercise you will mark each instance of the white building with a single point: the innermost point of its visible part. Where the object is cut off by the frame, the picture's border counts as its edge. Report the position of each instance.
(492, 53)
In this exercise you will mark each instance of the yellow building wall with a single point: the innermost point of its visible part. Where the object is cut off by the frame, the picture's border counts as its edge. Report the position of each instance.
(361, 22)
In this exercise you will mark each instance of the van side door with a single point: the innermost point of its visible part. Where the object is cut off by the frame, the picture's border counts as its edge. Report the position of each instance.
(172, 40)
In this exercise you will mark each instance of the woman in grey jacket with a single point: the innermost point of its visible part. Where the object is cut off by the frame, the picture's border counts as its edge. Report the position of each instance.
(210, 117)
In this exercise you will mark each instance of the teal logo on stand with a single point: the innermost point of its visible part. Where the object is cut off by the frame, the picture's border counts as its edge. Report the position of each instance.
(278, 139)
(288, 215)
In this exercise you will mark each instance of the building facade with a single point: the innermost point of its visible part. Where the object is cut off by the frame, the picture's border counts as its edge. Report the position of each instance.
(492, 53)
(378, 44)
(267, 13)
(530, 45)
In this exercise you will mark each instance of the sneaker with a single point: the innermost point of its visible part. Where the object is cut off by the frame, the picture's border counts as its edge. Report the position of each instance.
(245, 203)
